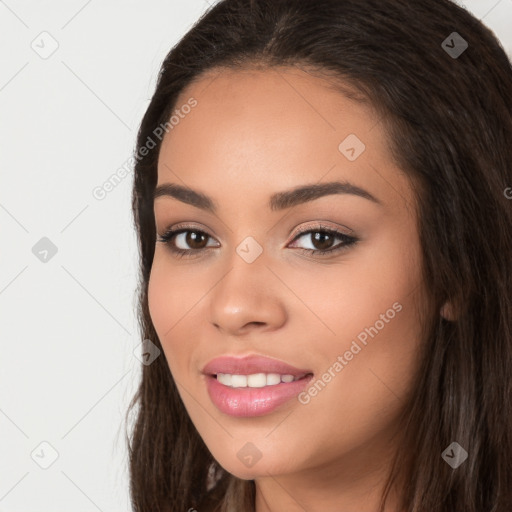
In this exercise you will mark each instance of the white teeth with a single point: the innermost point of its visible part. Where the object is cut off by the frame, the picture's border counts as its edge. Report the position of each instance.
(239, 381)
(273, 379)
(224, 378)
(255, 380)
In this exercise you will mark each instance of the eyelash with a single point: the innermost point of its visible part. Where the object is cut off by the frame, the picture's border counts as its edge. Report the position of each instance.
(168, 237)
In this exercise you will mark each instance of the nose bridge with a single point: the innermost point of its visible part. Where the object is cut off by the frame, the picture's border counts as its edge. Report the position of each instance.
(247, 291)
(247, 273)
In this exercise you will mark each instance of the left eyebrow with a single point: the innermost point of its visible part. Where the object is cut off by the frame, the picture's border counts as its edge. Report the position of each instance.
(278, 201)
(303, 194)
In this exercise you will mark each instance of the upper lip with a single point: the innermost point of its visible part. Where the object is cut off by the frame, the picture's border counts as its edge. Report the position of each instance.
(251, 364)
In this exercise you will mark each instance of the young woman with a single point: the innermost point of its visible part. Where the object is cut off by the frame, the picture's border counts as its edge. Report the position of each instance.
(323, 200)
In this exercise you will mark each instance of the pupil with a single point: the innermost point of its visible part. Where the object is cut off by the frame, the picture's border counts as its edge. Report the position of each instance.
(326, 238)
(192, 238)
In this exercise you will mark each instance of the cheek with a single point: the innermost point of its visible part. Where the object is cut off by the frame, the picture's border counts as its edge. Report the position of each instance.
(170, 293)
(174, 301)
(365, 391)
(158, 297)
(373, 312)
(166, 297)
(351, 296)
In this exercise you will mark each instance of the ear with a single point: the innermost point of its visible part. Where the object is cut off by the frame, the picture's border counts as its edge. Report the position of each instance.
(447, 311)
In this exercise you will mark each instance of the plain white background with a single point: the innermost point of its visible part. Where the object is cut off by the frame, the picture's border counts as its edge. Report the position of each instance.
(75, 80)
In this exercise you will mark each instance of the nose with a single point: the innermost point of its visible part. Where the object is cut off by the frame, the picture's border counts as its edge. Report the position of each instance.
(247, 298)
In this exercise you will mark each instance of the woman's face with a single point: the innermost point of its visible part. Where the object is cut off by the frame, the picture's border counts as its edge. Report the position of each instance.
(253, 286)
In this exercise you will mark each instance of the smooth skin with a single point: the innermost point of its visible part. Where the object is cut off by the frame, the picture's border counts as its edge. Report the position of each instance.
(255, 132)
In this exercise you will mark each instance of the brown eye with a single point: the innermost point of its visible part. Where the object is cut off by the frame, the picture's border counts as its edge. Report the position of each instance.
(322, 240)
(196, 239)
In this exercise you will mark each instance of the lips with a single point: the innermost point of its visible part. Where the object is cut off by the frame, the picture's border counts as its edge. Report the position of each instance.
(252, 401)
(252, 364)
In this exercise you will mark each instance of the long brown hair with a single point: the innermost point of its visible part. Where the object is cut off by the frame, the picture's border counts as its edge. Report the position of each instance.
(447, 111)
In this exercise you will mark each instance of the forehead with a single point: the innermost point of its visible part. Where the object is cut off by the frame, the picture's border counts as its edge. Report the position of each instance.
(256, 128)
(268, 99)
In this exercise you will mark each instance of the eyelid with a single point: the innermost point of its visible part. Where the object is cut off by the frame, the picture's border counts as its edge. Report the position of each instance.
(321, 225)
(184, 226)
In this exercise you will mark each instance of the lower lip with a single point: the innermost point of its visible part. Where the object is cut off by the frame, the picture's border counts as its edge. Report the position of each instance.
(246, 402)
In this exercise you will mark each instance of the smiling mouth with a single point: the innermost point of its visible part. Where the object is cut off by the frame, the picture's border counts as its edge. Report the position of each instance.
(249, 395)
(256, 380)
